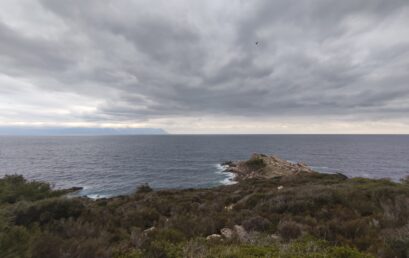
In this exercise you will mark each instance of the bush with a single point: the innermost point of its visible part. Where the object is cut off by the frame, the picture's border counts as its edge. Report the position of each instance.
(397, 242)
(128, 254)
(256, 223)
(144, 188)
(289, 230)
(14, 188)
(255, 164)
(169, 235)
(308, 248)
(347, 252)
(47, 246)
(143, 217)
(45, 211)
(14, 242)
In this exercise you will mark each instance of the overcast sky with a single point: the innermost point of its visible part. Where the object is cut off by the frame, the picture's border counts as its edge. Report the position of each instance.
(188, 66)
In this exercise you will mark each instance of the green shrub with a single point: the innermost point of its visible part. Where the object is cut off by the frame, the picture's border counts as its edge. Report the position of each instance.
(256, 223)
(255, 164)
(169, 235)
(289, 230)
(128, 254)
(14, 242)
(45, 211)
(347, 252)
(144, 188)
(47, 246)
(143, 217)
(14, 188)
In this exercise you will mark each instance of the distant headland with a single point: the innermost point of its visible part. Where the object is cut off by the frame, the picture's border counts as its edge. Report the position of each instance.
(73, 131)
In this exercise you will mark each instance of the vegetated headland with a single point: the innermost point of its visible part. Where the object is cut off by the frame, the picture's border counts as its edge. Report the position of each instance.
(277, 209)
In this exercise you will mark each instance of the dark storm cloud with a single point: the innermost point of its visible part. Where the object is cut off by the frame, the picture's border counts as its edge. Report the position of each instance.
(22, 54)
(145, 59)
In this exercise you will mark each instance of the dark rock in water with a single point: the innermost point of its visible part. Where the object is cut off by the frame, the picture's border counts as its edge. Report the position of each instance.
(75, 189)
(342, 176)
(405, 180)
(227, 163)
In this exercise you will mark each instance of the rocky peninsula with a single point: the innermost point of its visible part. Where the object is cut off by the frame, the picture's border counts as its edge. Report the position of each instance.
(265, 167)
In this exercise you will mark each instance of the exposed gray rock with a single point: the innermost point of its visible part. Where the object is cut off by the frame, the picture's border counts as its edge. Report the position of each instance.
(75, 189)
(241, 233)
(229, 207)
(214, 237)
(227, 233)
(146, 231)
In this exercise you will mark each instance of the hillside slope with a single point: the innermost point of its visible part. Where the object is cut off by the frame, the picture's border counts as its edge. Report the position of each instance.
(300, 215)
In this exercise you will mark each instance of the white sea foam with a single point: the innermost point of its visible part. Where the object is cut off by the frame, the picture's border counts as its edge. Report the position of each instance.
(320, 168)
(230, 177)
(97, 196)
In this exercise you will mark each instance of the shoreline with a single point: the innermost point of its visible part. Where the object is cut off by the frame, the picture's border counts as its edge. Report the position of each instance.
(234, 172)
(274, 208)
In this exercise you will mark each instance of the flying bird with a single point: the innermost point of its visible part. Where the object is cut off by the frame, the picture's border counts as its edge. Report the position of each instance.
(256, 42)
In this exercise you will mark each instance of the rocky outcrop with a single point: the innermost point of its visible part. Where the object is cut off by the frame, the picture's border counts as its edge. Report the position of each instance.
(238, 232)
(226, 233)
(263, 166)
(241, 233)
(214, 237)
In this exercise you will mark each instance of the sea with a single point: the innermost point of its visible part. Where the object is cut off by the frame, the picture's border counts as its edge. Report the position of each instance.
(108, 166)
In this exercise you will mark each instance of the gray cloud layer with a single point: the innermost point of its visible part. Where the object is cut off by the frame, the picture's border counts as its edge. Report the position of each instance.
(142, 60)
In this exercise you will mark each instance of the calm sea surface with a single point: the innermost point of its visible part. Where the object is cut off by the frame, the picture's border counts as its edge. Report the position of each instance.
(113, 165)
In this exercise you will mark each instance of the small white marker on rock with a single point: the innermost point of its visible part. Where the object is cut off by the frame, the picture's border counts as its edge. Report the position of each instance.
(280, 187)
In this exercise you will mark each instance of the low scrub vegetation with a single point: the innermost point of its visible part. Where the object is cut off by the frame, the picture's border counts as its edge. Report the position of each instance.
(255, 163)
(311, 215)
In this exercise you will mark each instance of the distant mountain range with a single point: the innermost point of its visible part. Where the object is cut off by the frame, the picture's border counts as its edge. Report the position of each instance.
(61, 131)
